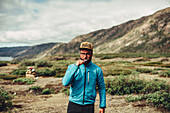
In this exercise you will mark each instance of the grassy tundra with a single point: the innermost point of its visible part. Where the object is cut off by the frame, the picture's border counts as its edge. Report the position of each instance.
(134, 83)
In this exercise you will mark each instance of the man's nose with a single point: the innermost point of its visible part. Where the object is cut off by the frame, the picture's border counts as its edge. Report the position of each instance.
(85, 56)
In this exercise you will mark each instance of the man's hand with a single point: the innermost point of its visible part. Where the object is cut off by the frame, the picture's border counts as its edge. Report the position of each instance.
(102, 110)
(79, 62)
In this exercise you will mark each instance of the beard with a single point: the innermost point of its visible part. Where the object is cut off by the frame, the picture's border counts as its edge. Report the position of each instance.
(86, 60)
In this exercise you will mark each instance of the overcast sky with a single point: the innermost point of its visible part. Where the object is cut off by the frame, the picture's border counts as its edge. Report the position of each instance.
(30, 22)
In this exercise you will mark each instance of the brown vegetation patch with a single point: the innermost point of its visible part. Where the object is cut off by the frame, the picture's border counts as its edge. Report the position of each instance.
(139, 104)
(55, 87)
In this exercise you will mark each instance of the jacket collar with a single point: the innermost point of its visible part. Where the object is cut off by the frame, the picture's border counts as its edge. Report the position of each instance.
(90, 63)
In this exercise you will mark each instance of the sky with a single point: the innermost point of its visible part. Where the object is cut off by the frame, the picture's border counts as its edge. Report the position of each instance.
(32, 22)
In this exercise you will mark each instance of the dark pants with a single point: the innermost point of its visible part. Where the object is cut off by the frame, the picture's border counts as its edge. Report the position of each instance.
(75, 108)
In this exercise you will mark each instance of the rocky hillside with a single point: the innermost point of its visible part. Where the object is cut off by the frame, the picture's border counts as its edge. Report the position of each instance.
(11, 51)
(149, 34)
(33, 51)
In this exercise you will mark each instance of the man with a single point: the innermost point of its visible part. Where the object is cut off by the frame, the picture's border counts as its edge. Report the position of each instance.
(83, 76)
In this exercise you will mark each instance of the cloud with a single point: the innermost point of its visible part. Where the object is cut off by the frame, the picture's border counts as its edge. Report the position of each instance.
(41, 21)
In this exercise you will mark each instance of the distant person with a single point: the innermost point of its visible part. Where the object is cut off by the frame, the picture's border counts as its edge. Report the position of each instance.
(83, 76)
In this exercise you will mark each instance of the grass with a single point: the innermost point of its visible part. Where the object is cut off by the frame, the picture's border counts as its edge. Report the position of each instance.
(19, 72)
(142, 60)
(43, 63)
(46, 72)
(131, 55)
(66, 90)
(165, 73)
(144, 70)
(8, 77)
(117, 71)
(153, 64)
(3, 63)
(5, 100)
(158, 99)
(47, 91)
(165, 65)
(24, 81)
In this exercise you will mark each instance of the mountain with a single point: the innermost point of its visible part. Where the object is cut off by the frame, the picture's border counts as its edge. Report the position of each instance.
(26, 51)
(149, 34)
(11, 51)
(33, 51)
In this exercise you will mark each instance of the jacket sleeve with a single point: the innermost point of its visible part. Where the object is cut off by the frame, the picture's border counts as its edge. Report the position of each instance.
(101, 88)
(69, 75)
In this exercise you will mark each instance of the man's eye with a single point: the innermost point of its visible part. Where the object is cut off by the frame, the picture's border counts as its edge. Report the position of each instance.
(85, 53)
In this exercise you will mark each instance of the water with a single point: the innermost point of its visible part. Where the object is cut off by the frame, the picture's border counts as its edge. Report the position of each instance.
(6, 58)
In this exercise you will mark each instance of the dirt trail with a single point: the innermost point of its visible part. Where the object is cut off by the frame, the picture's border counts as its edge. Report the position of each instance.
(57, 103)
(8, 69)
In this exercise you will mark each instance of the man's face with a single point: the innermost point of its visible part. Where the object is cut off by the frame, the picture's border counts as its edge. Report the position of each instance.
(86, 55)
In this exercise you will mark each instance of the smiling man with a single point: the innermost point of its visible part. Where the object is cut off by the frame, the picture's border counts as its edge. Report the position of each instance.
(84, 76)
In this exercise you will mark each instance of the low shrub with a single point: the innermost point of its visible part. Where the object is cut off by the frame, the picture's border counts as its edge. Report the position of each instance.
(154, 72)
(127, 85)
(165, 65)
(124, 85)
(9, 77)
(3, 63)
(36, 89)
(27, 63)
(115, 71)
(2, 74)
(43, 63)
(66, 90)
(24, 81)
(59, 75)
(153, 64)
(5, 100)
(165, 74)
(155, 85)
(14, 62)
(131, 55)
(122, 62)
(160, 69)
(142, 60)
(63, 63)
(132, 98)
(60, 70)
(159, 99)
(101, 64)
(108, 57)
(144, 70)
(164, 60)
(19, 72)
(47, 91)
(46, 72)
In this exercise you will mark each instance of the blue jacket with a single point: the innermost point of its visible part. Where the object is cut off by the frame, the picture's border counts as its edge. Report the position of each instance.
(83, 80)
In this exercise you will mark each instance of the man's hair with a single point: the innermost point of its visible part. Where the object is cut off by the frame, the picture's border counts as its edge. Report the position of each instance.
(86, 49)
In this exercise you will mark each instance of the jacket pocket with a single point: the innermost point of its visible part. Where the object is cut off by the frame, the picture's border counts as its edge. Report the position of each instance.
(91, 84)
(91, 79)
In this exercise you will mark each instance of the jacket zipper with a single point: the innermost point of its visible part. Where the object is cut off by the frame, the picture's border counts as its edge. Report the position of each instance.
(84, 85)
(88, 77)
